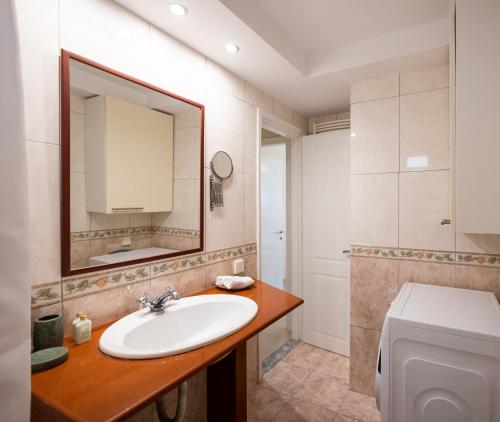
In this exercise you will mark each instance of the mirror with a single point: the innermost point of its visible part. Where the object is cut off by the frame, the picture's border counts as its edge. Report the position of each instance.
(222, 168)
(222, 165)
(132, 172)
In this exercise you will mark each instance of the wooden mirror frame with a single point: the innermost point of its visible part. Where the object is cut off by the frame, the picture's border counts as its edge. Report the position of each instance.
(66, 57)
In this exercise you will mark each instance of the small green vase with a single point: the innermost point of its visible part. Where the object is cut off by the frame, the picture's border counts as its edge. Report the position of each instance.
(48, 332)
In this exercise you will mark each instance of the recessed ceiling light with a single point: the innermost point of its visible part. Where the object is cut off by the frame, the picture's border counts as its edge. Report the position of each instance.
(178, 9)
(232, 47)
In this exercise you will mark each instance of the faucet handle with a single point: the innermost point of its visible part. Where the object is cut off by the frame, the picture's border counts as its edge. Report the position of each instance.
(144, 300)
(172, 292)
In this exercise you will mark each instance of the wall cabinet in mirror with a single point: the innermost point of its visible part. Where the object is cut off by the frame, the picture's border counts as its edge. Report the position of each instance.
(132, 169)
(129, 151)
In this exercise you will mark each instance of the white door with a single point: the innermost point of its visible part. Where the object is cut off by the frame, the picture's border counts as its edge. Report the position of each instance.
(325, 228)
(273, 212)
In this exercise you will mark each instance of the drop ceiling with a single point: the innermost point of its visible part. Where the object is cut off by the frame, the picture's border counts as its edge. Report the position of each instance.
(306, 53)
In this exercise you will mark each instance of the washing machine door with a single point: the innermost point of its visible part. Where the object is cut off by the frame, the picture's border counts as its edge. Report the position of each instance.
(378, 378)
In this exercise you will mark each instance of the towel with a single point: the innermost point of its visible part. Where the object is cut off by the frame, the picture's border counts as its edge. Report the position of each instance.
(231, 282)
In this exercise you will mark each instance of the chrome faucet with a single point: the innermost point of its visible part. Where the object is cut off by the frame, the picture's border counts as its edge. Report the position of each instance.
(159, 303)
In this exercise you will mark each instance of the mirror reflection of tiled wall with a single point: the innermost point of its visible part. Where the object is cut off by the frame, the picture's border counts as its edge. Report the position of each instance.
(94, 234)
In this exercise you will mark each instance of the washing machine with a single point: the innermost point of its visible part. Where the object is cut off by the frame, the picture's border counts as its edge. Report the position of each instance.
(439, 356)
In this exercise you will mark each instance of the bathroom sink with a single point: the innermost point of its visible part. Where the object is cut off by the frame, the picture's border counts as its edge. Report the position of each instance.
(184, 325)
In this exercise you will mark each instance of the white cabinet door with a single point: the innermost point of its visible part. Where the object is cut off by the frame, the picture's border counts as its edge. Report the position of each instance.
(477, 171)
(325, 227)
(129, 157)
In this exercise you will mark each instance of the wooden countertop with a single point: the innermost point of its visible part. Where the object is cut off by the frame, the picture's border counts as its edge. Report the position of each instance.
(92, 386)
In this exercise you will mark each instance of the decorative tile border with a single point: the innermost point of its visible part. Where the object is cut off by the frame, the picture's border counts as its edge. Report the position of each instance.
(45, 294)
(374, 251)
(131, 231)
(478, 259)
(96, 282)
(172, 231)
(83, 285)
(225, 254)
(446, 257)
(176, 265)
(109, 233)
(428, 256)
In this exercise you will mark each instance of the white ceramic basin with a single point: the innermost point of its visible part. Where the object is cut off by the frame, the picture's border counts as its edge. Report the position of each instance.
(184, 325)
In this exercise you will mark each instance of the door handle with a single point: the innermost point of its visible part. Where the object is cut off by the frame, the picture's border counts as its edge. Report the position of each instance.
(279, 232)
(346, 251)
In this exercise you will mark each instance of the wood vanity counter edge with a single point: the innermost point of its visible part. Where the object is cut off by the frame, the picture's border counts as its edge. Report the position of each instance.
(92, 386)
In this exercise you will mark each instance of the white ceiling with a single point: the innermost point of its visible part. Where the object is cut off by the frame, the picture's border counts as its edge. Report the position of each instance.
(305, 53)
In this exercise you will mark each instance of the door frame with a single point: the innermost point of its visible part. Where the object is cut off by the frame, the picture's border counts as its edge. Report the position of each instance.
(294, 215)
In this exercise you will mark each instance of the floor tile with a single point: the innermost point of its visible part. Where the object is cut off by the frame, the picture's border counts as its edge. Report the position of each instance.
(264, 403)
(309, 385)
(336, 366)
(305, 356)
(285, 377)
(297, 411)
(343, 418)
(361, 407)
(322, 390)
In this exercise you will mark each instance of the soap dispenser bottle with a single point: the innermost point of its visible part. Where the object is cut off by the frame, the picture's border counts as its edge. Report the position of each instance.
(82, 327)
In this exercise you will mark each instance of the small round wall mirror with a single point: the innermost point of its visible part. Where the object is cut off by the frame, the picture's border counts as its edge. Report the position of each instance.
(222, 165)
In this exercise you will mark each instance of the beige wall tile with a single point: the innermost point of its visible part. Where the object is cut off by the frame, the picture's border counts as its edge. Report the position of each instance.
(140, 219)
(186, 153)
(375, 89)
(375, 136)
(43, 195)
(252, 362)
(40, 51)
(77, 136)
(225, 226)
(80, 254)
(426, 273)
(106, 306)
(220, 268)
(77, 104)
(374, 284)
(364, 350)
(80, 218)
(177, 67)
(374, 209)
(140, 241)
(300, 122)
(108, 221)
(283, 112)
(186, 119)
(186, 282)
(250, 139)
(425, 79)
(251, 265)
(258, 98)
(250, 208)
(425, 131)
(225, 115)
(104, 246)
(130, 54)
(424, 200)
(478, 278)
(224, 79)
(480, 243)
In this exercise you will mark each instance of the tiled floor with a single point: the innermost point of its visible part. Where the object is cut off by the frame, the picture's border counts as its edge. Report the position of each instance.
(312, 385)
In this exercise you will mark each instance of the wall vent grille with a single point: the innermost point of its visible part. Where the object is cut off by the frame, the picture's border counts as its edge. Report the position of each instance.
(320, 127)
